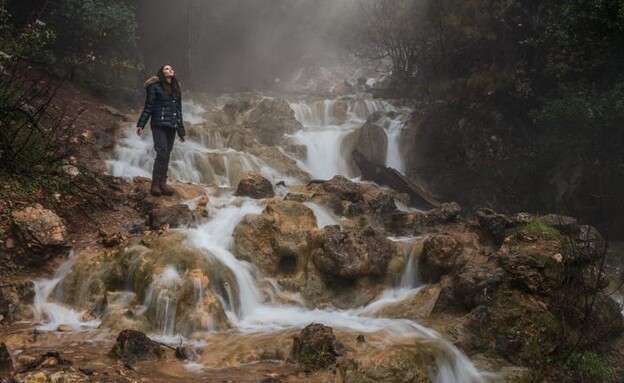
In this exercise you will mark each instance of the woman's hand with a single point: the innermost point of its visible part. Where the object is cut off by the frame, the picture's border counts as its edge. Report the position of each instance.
(182, 138)
(139, 131)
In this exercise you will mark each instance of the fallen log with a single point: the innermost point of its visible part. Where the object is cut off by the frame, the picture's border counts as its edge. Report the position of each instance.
(390, 177)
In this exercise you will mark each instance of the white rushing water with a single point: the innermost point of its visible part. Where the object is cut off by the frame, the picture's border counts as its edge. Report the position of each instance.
(52, 313)
(323, 134)
(255, 315)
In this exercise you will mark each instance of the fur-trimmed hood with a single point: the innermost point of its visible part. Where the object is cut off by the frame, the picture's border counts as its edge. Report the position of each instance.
(151, 80)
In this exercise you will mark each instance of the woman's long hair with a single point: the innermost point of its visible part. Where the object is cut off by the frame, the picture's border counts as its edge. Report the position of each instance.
(174, 87)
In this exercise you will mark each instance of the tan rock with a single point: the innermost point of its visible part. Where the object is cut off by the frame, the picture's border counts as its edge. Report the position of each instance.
(40, 228)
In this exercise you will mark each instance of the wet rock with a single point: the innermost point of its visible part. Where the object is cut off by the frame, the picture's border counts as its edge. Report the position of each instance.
(14, 298)
(565, 225)
(588, 244)
(174, 216)
(40, 229)
(316, 347)
(391, 365)
(339, 111)
(351, 254)
(493, 224)
(132, 346)
(235, 109)
(444, 213)
(383, 205)
(276, 240)
(255, 186)
(6, 363)
(439, 256)
(535, 266)
(474, 284)
(111, 240)
(342, 188)
(342, 89)
(270, 120)
(372, 141)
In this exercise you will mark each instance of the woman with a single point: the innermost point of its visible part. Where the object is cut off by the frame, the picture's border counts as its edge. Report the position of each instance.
(164, 107)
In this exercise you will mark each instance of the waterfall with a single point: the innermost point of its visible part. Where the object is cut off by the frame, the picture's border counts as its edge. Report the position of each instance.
(161, 298)
(247, 305)
(52, 314)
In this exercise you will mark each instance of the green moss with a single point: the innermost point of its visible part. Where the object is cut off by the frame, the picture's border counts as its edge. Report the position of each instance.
(539, 229)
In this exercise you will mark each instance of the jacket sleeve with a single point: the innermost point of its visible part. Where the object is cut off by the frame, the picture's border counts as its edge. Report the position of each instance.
(181, 128)
(149, 106)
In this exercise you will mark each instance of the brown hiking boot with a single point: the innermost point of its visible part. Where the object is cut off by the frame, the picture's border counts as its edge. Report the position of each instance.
(164, 188)
(155, 189)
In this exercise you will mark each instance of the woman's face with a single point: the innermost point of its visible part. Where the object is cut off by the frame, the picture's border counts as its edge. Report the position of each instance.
(168, 71)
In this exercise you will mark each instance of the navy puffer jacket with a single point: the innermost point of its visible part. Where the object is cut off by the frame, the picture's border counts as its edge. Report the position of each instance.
(161, 108)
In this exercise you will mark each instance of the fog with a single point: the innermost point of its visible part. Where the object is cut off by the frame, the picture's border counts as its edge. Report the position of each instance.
(237, 45)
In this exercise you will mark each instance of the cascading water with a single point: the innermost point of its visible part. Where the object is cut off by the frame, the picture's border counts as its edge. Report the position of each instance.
(205, 159)
(52, 314)
(249, 307)
(323, 134)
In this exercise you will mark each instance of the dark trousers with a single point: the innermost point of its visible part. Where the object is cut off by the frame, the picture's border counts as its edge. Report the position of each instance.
(164, 137)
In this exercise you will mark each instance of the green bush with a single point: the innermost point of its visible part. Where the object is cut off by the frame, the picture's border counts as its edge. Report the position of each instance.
(587, 366)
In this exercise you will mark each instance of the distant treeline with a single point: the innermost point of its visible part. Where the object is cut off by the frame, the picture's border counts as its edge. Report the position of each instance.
(526, 97)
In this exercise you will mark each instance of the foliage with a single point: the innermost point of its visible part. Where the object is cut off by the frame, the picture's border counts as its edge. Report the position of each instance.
(93, 31)
(31, 141)
(587, 366)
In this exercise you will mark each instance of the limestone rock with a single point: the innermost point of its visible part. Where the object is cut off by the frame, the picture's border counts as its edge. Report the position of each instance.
(439, 256)
(255, 186)
(174, 216)
(132, 346)
(493, 224)
(444, 213)
(372, 141)
(566, 225)
(535, 266)
(351, 254)
(316, 347)
(342, 89)
(41, 229)
(270, 120)
(396, 364)
(276, 240)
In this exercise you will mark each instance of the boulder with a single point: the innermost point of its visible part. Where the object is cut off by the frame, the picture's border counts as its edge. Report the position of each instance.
(6, 363)
(132, 346)
(174, 216)
(394, 364)
(475, 283)
(270, 120)
(565, 225)
(276, 240)
(255, 186)
(494, 225)
(446, 212)
(372, 141)
(351, 254)
(342, 188)
(536, 267)
(383, 205)
(342, 89)
(439, 256)
(40, 229)
(316, 347)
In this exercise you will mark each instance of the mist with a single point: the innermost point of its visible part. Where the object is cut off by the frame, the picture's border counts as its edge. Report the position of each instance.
(238, 45)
